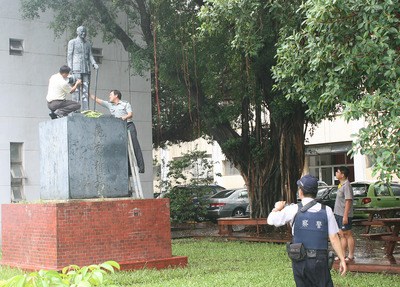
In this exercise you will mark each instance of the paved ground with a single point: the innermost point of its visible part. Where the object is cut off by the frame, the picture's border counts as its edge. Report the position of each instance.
(367, 251)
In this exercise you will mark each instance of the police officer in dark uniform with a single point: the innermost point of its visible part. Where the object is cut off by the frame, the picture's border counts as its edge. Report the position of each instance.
(312, 225)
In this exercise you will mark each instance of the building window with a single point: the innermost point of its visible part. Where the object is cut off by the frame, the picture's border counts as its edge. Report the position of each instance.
(17, 172)
(97, 55)
(157, 172)
(323, 166)
(16, 47)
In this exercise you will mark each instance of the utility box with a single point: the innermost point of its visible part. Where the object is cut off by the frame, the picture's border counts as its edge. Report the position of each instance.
(83, 157)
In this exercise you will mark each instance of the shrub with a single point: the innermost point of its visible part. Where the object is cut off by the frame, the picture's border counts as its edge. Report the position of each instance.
(192, 173)
(188, 203)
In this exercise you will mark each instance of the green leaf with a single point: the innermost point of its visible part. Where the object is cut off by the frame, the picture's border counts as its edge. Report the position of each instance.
(110, 265)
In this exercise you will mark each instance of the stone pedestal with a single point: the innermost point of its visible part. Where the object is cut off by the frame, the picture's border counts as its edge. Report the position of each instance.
(83, 157)
(134, 233)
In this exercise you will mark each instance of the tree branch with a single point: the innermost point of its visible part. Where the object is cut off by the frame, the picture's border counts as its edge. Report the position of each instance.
(145, 22)
(112, 27)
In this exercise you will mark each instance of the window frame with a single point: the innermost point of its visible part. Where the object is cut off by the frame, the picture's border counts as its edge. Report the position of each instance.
(16, 47)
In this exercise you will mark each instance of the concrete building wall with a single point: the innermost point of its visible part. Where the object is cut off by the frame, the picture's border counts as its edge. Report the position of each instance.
(332, 131)
(339, 132)
(23, 86)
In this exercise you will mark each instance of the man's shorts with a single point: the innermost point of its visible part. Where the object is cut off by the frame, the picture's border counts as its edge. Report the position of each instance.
(339, 220)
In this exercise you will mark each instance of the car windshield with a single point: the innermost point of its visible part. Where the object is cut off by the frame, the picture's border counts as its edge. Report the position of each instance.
(321, 192)
(359, 190)
(325, 190)
(333, 193)
(224, 194)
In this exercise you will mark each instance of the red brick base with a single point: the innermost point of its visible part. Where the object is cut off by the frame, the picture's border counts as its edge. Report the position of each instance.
(134, 233)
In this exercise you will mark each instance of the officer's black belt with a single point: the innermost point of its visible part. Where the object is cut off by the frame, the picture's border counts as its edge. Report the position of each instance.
(312, 253)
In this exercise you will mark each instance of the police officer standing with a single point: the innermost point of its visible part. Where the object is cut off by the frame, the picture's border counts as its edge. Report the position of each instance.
(312, 224)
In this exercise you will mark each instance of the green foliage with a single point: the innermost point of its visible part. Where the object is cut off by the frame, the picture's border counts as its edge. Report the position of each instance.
(345, 59)
(244, 17)
(192, 168)
(188, 202)
(73, 275)
(380, 139)
(91, 114)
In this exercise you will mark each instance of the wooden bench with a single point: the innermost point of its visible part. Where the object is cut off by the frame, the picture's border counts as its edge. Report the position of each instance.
(376, 236)
(385, 236)
(225, 224)
(390, 238)
(368, 224)
(358, 221)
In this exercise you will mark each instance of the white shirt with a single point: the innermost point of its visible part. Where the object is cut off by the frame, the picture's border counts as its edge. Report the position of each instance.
(280, 218)
(58, 89)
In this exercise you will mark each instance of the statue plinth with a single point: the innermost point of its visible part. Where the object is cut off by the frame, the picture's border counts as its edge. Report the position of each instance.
(83, 158)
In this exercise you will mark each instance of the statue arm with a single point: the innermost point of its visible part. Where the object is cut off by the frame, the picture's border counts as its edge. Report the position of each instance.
(92, 60)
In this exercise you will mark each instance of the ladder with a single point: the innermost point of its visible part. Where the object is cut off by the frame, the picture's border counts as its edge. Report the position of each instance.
(135, 183)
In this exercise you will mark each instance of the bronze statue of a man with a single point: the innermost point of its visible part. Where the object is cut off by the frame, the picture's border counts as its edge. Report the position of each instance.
(79, 59)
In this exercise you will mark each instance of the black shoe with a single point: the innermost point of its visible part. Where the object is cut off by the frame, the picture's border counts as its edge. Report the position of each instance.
(59, 115)
(53, 116)
(141, 170)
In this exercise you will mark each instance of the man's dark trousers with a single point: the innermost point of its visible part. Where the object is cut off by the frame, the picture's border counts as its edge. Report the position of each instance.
(313, 272)
(136, 147)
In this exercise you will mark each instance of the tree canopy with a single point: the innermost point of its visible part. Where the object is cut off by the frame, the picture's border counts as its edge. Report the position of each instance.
(212, 63)
(211, 68)
(215, 62)
(344, 59)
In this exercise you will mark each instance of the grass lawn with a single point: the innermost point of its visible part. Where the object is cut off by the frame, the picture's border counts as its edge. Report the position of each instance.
(231, 263)
(234, 263)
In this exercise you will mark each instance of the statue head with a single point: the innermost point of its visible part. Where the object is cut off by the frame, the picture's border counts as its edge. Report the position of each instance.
(81, 32)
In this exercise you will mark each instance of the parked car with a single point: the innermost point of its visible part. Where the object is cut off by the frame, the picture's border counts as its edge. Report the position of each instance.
(228, 203)
(396, 188)
(247, 211)
(370, 194)
(321, 183)
(327, 195)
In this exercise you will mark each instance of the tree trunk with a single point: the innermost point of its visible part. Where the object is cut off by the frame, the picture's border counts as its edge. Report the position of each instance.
(275, 177)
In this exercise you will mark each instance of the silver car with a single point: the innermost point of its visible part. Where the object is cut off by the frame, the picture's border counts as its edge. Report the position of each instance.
(227, 203)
